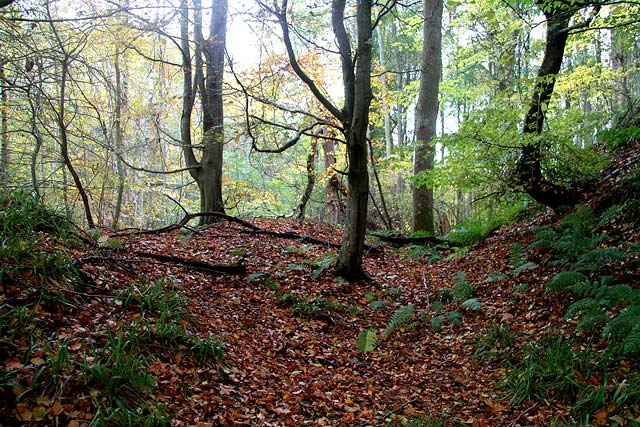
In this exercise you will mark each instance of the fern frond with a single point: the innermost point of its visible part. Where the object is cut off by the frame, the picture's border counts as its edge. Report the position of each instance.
(322, 264)
(631, 343)
(610, 214)
(517, 255)
(454, 318)
(473, 304)
(527, 266)
(583, 219)
(461, 279)
(379, 304)
(297, 267)
(462, 289)
(545, 233)
(621, 326)
(582, 306)
(575, 243)
(366, 340)
(542, 243)
(399, 318)
(496, 277)
(600, 256)
(622, 294)
(587, 289)
(591, 321)
(564, 280)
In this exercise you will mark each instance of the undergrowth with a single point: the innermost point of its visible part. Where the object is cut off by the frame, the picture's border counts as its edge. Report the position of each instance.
(595, 371)
(46, 358)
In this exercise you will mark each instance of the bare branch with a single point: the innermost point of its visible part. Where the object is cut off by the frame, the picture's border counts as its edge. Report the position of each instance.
(281, 15)
(289, 143)
(188, 168)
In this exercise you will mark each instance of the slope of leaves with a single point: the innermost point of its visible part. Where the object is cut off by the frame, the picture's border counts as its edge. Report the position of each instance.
(284, 366)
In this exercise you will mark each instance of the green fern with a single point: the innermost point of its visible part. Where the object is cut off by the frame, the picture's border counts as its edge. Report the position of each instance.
(462, 289)
(610, 214)
(623, 324)
(376, 305)
(472, 304)
(631, 183)
(517, 255)
(545, 237)
(596, 289)
(322, 264)
(297, 267)
(592, 320)
(563, 280)
(631, 344)
(582, 220)
(599, 256)
(582, 306)
(402, 316)
(449, 317)
(496, 277)
(527, 266)
(623, 295)
(454, 318)
(366, 340)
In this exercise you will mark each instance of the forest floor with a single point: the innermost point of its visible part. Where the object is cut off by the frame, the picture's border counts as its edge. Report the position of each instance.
(290, 329)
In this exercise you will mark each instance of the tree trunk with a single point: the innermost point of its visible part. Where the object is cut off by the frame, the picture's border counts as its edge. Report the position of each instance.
(427, 115)
(118, 142)
(64, 143)
(4, 131)
(213, 112)
(388, 137)
(334, 190)
(311, 174)
(354, 118)
(349, 263)
(207, 172)
(528, 175)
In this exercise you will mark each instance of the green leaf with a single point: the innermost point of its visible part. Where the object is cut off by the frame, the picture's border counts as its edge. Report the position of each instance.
(473, 304)
(367, 340)
(399, 318)
(527, 266)
(379, 304)
(564, 280)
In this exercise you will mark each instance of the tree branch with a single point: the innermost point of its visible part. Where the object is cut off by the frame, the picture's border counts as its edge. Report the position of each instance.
(289, 143)
(281, 16)
(187, 168)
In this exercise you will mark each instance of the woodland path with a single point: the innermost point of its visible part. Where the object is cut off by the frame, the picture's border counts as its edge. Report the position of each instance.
(288, 368)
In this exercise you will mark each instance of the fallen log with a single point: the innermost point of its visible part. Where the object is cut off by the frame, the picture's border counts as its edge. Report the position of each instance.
(404, 240)
(226, 268)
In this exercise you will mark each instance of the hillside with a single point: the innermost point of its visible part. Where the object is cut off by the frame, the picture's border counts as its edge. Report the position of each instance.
(229, 325)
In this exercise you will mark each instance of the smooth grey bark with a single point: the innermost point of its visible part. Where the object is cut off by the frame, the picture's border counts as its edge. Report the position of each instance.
(207, 83)
(388, 137)
(64, 143)
(120, 100)
(427, 114)
(355, 122)
(353, 116)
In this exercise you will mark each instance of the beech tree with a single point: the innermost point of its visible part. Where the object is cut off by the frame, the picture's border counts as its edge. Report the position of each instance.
(427, 115)
(353, 117)
(203, 76)
(529, 174)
